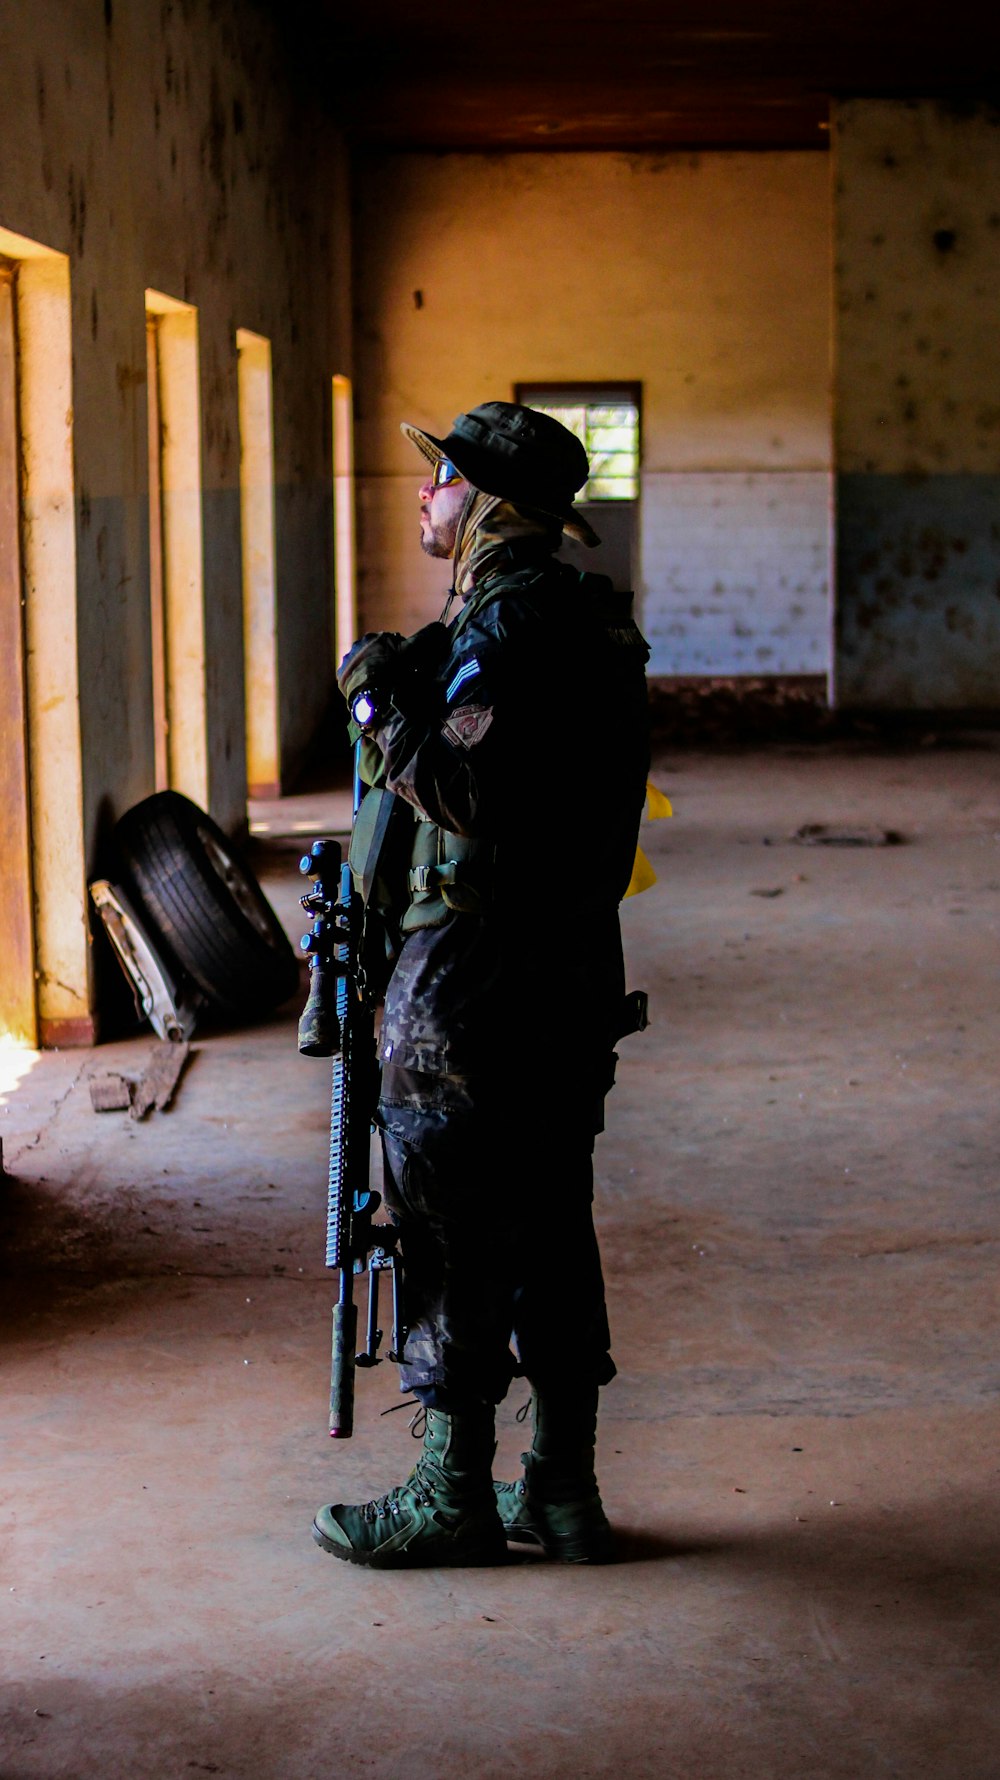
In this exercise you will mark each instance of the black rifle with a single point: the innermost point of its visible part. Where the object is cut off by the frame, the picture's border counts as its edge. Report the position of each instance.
(338, 1021)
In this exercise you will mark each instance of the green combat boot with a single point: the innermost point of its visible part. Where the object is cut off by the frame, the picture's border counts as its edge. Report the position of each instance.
(556, 1504)
(445, 1512)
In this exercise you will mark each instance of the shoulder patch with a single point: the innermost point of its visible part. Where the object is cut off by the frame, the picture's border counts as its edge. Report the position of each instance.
(468, 725)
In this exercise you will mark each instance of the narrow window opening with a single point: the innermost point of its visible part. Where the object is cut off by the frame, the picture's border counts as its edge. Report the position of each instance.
(606, 417)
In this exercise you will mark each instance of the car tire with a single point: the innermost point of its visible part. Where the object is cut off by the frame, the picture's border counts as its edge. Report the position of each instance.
(206, 905)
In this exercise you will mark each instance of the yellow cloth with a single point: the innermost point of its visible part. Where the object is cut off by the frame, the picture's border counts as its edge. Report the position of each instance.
(643, 876)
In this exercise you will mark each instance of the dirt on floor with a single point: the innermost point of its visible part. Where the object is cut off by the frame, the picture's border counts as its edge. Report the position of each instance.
(797, 1201)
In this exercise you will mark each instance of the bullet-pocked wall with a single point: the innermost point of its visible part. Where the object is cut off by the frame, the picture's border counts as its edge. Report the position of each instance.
(704, 277)
(177, 148)
(917, 404)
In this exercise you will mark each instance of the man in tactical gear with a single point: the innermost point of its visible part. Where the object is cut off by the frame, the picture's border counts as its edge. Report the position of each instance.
(515, 741)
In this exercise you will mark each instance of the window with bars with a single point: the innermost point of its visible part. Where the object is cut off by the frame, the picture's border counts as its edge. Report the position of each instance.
(605, 417)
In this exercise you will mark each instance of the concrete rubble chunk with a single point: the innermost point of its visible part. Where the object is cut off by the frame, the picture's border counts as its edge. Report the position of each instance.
(111, 1093)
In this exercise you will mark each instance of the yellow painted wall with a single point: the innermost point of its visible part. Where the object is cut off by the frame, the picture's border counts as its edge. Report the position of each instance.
(705, 277)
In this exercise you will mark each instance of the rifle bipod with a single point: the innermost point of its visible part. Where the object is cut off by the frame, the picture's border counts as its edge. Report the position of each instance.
(381, 1240)
(384, 1258)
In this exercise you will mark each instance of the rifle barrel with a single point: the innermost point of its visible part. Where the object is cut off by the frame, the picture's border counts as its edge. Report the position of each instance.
(345, 1338)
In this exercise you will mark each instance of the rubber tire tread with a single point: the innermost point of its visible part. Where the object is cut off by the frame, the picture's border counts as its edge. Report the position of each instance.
(195, 913)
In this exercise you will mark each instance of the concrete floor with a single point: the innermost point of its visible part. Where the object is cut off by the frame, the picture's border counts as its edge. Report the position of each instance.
(797, 1200)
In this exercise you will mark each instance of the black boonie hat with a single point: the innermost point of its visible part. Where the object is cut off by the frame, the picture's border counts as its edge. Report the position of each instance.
(518, 454)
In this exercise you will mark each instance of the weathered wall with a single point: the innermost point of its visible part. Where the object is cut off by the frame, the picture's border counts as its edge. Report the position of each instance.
(171, 145)
(167, 146)
(704, 277)
(917, 404)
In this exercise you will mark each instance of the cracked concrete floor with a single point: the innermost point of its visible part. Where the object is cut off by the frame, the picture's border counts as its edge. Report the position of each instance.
(797, 1202)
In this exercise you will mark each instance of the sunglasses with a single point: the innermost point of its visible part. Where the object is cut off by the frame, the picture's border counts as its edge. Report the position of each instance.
(445, 473)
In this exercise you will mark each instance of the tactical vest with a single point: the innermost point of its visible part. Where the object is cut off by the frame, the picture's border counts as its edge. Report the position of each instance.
(447, 872)
(443, 872)
(412, 871)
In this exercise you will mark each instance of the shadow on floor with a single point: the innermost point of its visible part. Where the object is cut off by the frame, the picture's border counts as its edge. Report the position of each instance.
(862, 1601)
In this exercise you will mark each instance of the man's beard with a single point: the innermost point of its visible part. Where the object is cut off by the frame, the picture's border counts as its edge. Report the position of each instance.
(438, 540)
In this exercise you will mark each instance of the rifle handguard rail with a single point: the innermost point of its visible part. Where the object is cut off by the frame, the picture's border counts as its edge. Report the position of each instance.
(338, 1022)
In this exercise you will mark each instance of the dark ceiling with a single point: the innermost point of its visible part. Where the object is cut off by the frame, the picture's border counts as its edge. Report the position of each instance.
(632, 74)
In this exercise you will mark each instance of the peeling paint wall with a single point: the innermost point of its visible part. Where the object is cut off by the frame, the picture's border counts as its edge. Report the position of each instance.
(704, 277)
(169, 145)
(172, 144)
(917, 404)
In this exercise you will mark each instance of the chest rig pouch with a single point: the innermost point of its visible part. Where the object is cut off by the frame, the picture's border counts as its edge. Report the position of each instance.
(447, 872)
(381, 841)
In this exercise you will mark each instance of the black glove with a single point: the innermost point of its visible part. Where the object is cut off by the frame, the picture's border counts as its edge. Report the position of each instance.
(414, 687)
(369, 663)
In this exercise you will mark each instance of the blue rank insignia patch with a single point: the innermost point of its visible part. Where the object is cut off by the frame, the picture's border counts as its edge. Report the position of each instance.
(468, 725)
(468, 671)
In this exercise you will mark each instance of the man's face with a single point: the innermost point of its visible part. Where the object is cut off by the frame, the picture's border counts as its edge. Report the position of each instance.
(440, 510)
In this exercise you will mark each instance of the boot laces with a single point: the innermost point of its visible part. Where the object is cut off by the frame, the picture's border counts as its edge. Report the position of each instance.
(416, 1487)
(417, 1422)
(510, 1489)
(520, 1487)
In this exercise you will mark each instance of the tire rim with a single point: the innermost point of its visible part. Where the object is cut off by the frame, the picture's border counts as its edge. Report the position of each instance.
(245, 895)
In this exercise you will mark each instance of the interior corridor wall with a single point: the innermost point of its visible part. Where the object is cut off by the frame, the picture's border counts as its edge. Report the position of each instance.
(917, 404)
(707, 278)
(177, 148)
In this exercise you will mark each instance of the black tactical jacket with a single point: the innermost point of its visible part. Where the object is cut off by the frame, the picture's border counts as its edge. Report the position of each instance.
(525, 747)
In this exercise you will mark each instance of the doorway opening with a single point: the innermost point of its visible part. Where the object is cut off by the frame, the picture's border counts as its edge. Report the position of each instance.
(260, 600)
(176, 558)
(45, 981)
(18, 1019)
(345, 628)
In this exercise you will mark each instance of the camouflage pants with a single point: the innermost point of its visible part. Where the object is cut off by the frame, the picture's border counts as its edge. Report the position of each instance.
(492, 1189)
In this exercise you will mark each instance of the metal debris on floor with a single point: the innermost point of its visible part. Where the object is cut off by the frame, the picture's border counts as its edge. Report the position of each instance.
(823, 834)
